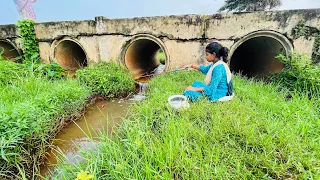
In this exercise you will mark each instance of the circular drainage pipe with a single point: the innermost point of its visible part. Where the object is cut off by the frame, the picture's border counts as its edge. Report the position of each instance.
(255, 54)
(140, 55)
(69, 54)
(8, 50)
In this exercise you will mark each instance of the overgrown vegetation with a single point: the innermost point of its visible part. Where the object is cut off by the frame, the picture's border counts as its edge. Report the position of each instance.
(260, 134)
(301, 30)
(29, 42)
(299, 74)
(31, 110)
(33, 107)
(50, 71)
(31, 53)
(107, 79)
(11, 72)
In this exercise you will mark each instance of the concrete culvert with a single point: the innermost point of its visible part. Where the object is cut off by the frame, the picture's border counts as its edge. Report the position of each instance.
(70, 55)
(8, 51)
(256, 57)
(142, 56)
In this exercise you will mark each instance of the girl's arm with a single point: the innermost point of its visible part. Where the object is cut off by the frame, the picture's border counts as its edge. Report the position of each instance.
(216, 78)
(190, 88)
(202, 68)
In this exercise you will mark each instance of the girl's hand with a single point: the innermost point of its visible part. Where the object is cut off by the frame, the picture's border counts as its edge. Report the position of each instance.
(187, 66)
(192, 66)
(189, 88)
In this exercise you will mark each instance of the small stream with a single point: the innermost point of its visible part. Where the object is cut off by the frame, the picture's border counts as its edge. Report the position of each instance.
(103, 116)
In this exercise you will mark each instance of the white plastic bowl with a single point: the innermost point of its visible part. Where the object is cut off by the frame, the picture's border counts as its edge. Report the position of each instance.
(178, 101)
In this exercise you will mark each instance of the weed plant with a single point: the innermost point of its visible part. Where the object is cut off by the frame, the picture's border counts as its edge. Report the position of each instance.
(50, 71)
(260, 134)
(10, 71)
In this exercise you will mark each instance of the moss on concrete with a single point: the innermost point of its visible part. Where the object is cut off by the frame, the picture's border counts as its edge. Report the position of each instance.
(316, 50)
(8, 31)
(301, 30)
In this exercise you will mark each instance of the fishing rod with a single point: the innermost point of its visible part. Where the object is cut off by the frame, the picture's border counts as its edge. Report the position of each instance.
(151, 74)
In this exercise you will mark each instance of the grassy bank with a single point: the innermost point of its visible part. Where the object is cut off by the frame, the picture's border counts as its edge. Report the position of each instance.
(33, 107)
(260, 134)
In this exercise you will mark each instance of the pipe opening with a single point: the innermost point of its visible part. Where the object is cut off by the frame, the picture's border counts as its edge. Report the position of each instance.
(8, 51)
(143, 56)
(256, 57)
(70, 55)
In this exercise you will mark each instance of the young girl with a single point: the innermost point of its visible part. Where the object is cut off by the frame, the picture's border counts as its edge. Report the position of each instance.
(218, 82)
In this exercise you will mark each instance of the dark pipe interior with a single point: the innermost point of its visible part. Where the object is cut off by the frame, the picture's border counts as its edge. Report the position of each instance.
(8, 51)
(70, 55)
(256, 57)
(140, 57)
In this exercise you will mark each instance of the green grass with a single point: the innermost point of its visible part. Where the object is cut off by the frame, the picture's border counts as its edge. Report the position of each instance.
(107, 79)
(260, 134)
(10, 71)
(31, 109)
(36, 99)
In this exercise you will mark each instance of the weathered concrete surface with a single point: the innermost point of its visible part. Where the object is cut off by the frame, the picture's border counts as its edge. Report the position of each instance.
(304, 45)
(173, 27)
(45, 51)
(234, 26)
(10, 34)
(56, 30)
(90, 46)
(184, 37)
(110, 47)
(8, 31)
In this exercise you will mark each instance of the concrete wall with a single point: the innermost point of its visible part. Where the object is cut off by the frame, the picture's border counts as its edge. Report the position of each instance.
(184, 37)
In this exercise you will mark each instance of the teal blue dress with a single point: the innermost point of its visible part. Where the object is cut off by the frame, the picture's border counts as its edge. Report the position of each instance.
(218, 87)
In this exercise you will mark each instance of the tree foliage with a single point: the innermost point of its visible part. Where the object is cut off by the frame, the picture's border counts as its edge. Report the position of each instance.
(249, 5)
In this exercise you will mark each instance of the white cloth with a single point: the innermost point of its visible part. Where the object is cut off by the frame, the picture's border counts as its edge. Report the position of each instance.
(208, 78)
(226, 98)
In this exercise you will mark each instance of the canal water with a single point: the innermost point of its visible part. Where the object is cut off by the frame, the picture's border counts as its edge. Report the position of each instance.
(102, 117)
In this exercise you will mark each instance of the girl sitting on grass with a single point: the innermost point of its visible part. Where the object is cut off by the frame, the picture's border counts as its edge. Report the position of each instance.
(218, 81)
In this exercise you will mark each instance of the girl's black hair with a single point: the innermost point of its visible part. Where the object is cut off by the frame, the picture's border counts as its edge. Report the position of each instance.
(219, 50)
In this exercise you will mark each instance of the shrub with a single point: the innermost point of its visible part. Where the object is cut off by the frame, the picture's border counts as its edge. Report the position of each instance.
(299, 74)
(107, 79)
(50, 71)
(10, 71)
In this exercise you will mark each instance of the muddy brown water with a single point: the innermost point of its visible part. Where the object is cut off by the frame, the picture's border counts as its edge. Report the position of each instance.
(103, 116)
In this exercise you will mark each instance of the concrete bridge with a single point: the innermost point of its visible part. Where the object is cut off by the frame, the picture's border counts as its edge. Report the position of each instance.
(254, 40)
